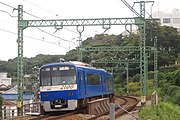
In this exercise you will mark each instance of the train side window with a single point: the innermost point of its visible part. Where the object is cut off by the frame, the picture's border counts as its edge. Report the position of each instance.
(93, 79)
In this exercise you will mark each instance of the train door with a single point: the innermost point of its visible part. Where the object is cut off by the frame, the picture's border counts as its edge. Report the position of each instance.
(103, 79)
(107, 83)
(82, 85)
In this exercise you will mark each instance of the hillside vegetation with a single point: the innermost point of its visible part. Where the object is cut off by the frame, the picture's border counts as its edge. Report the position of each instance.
(163, 111)
(168, 44)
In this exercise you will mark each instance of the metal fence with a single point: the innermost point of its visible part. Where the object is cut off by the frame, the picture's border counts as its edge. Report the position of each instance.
(32, 108)
(10, 112)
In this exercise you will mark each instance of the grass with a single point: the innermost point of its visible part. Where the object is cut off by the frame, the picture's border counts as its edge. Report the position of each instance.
(163, 111)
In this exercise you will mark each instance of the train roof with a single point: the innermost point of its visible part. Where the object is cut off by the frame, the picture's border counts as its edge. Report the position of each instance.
(73, 63)
(80, 63)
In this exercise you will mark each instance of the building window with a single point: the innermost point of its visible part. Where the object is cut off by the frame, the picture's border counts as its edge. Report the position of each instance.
(176, 20)
(166, 20)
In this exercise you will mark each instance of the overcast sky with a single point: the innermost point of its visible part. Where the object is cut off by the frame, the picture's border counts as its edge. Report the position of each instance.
(37, 41)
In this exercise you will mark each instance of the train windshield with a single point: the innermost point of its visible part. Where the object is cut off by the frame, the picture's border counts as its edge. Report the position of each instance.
(57, 75)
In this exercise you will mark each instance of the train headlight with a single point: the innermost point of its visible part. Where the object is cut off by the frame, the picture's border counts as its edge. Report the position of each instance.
(46, 95)
(70, 94)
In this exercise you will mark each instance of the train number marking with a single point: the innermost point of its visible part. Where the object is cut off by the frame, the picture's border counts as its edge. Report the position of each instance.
(63, 87)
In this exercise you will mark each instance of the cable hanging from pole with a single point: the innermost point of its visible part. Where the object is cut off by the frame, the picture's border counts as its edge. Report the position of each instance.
(36, 27)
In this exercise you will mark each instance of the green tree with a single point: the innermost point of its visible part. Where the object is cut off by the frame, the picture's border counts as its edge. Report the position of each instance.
(176, 77)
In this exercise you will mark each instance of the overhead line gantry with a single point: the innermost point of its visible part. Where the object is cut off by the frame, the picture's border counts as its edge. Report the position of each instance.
(104, 22)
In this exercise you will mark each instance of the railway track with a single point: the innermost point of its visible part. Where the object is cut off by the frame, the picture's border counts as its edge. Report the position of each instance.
(58, 115)
(128, 103)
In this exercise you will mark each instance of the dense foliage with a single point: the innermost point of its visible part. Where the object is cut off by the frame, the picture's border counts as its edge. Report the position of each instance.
(163, 111)
(168, 44)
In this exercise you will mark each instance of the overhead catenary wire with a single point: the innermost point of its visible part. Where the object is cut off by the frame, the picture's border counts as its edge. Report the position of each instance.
(36, 27)
(32, 38)
(8, 13)
(134, 11)
(41, 7)
(75, 32)
(150, 14)
(51, 13)
(55, 36)
(131, 8)
(46, 31)
(7, 5)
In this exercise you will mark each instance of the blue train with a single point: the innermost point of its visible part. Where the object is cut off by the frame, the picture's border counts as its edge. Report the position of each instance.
(70, 85)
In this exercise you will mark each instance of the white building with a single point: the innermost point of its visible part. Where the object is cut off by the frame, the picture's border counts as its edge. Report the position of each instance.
(4, 80)
(169, 18)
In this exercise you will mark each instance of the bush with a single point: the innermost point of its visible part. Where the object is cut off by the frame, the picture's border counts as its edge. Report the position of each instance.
(118, 89)
(176, 98)
(171, 93)
(163, 111)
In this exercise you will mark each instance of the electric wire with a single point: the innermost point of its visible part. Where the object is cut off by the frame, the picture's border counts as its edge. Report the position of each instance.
(150, 14)
(46, 31)
(131, 8)
(41, 7)
(51, 13)
(32, 38)
(55, 36)
(75, 32)
(7, 5)
(32, 15)
(8, 13)
(36, 27)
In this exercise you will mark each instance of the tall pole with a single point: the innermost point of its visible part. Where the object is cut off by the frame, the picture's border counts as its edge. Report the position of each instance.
(127, 76)
(155, 64)
(20, 62)
(143, 59)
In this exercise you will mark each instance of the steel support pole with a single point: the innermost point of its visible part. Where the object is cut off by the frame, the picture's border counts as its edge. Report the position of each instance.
(20, 62)
(143, 59)
(127, 76)
(155, 64)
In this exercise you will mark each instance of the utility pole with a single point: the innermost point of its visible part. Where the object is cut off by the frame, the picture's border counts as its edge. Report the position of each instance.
(127, 76)
(155, 64)
(20, 73)
(143, 60)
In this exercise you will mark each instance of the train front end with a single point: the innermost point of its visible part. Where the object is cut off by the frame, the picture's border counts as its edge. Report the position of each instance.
(58, 87)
